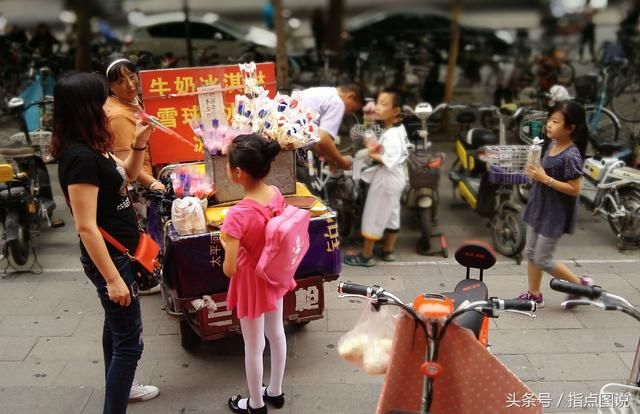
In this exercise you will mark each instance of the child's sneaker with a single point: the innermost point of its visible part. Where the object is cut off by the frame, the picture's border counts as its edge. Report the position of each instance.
(584, 281)
(359, 260)
(538, 299)
(386, 256)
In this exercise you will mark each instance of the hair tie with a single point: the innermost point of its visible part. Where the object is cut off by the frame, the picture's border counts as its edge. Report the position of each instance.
(113, 63)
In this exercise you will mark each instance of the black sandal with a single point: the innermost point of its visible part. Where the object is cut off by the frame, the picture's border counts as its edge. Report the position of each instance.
(233, 404)
(276, 400)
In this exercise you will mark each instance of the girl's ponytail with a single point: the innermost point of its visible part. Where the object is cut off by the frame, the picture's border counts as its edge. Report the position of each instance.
(271, 150)
(253, 153)
(574, 114)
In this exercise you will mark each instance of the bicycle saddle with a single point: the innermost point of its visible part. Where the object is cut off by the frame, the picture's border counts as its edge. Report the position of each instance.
(479, 137)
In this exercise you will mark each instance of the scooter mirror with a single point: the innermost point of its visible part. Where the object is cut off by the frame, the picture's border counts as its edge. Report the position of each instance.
(15, 103)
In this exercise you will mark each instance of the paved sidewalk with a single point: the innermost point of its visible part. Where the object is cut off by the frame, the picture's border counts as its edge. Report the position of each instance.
(50, 325)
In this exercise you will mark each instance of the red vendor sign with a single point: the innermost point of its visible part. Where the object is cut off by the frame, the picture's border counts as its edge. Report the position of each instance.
(171, 95)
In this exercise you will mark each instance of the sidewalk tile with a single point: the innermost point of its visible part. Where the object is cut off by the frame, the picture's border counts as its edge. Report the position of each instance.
(44, 400)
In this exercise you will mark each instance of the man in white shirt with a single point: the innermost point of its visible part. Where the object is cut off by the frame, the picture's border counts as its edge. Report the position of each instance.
(331, 103)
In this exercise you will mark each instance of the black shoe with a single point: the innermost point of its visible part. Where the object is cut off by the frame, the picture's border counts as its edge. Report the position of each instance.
(277, 400)
(233, 404)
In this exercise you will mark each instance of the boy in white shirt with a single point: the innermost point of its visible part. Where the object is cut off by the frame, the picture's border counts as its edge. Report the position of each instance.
(381, 216)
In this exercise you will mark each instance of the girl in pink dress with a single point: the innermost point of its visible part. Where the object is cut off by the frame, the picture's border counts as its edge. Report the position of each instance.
(258, 304)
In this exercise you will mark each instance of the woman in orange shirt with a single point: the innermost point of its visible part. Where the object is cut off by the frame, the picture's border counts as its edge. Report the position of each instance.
(121, 107)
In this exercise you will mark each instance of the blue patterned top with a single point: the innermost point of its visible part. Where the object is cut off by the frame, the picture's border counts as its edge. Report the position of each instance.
(550, 212)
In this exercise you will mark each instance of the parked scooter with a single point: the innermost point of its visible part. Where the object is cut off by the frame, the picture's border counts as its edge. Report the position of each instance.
(424, 168)
(26, 197)
(477, 184)
(612, 190)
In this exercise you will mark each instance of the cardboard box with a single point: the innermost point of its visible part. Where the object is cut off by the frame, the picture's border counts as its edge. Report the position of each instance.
(282, 175)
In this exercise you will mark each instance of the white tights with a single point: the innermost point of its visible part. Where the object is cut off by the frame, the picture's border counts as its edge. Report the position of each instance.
(253, 333)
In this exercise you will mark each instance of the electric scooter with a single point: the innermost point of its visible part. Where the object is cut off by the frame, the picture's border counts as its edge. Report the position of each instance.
(26, 197)
(476, 182)
(612, 190)
(424, 168)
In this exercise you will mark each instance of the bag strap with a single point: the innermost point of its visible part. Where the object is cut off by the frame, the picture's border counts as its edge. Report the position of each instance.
(105, 235)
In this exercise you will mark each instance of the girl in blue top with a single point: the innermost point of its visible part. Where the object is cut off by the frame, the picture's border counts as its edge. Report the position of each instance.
(553, 203)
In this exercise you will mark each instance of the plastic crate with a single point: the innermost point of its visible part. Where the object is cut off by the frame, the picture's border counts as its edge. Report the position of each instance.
(586, 87)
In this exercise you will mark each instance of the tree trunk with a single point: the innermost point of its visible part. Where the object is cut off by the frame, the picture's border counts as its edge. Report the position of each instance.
(453, 49)
(282, 67)
(83, 34)
(334, 26)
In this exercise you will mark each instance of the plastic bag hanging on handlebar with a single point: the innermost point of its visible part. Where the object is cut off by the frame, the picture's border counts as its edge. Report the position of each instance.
(368, 343)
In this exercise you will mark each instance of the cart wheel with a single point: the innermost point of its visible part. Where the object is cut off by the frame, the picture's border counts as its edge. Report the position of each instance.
(300, 324)
(188, 338)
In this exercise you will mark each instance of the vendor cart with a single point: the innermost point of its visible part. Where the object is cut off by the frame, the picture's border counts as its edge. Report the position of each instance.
(196, 111)
(194, 286)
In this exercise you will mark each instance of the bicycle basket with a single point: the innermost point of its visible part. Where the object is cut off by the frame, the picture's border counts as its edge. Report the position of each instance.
(586, 87)
(506, 163)
(422, 170)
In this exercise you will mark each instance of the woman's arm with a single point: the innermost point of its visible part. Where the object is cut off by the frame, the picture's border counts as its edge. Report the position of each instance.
(230, 246)
(144, 178)
(84, 204)
(133, 163)
(571, 187)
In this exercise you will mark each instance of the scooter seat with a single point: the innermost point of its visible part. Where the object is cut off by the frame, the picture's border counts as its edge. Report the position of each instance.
(16, 151)
(466, 117)
(607, 148)
(11, 193)
(479, 137)
(471, 290)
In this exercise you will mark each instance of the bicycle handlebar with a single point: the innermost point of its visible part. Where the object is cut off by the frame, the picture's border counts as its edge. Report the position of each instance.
(491, 304)
(347, 288)
(607, 301)
(591, 292)
(514, 304)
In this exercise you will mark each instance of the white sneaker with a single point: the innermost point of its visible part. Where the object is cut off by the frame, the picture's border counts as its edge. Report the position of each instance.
(153, 290)
(141, 392)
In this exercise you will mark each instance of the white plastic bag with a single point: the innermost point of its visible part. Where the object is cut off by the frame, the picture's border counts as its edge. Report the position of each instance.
(368, 344)
(187, 216)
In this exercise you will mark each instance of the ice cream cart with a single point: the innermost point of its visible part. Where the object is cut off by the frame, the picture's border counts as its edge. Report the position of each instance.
(193, 283)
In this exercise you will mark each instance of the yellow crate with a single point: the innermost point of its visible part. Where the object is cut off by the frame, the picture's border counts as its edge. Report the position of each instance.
(6, 173)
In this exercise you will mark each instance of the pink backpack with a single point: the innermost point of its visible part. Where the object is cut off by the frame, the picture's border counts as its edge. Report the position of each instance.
(286, 242)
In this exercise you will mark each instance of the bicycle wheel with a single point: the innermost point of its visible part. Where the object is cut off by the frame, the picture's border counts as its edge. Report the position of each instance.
(508, 232)
(605, 125)
(565, 74)
(625, 100)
